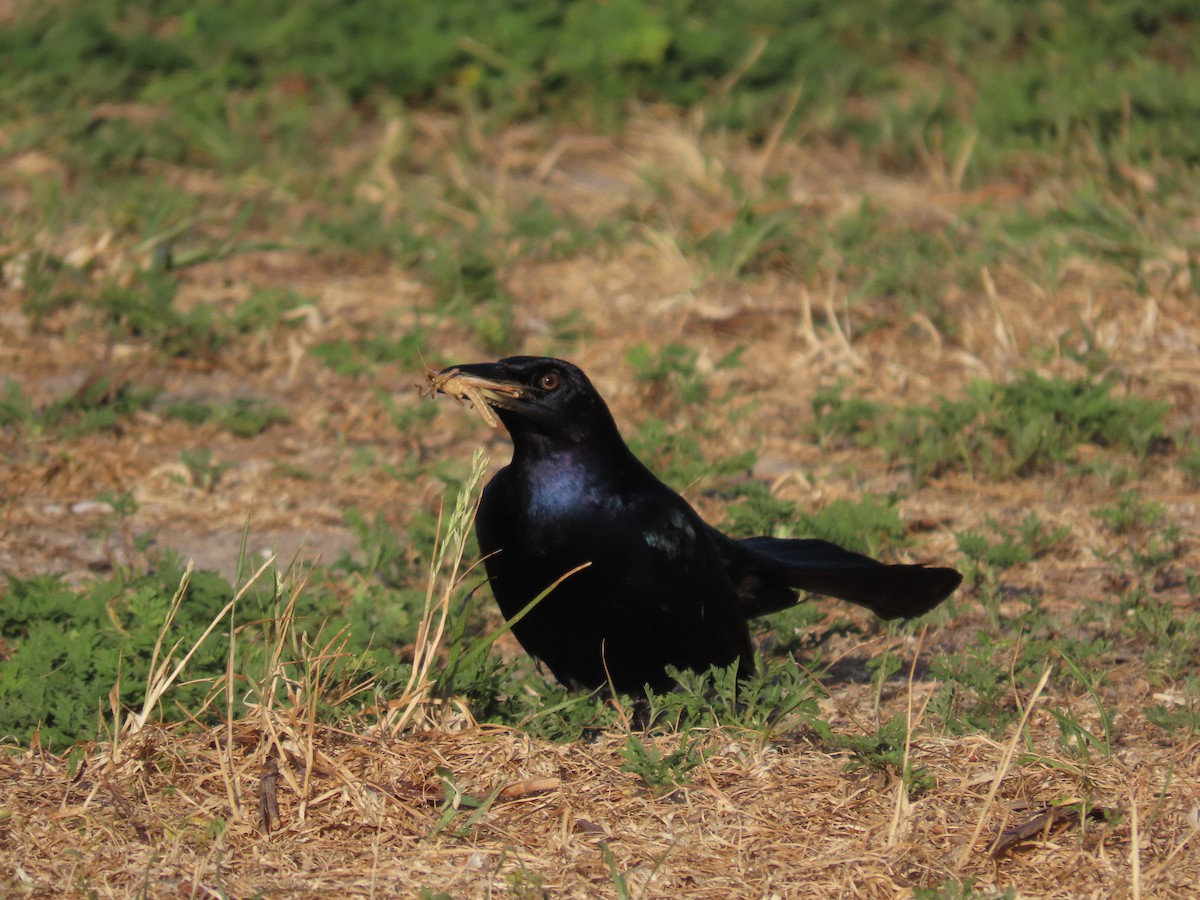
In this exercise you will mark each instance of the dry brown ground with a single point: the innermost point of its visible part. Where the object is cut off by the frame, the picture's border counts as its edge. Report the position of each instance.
(783, 820)
(356, 811)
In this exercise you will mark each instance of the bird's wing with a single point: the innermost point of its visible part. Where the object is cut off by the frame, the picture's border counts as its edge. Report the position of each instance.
(767, 572)
(671, 563)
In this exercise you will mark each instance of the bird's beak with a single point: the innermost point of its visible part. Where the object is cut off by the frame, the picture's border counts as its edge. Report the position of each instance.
(484, 384)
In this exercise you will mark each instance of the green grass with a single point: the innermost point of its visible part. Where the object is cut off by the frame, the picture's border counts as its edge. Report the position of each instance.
(97, 404)
(1041, 74)
(661, 772)
(244, 92)
(241, 416)
(1027, 426)
(70, 647)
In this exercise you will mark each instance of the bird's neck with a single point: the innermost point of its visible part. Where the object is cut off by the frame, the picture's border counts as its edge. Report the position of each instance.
(562, 479)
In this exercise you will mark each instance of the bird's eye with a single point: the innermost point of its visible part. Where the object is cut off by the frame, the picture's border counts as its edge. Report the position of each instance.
(549, 381)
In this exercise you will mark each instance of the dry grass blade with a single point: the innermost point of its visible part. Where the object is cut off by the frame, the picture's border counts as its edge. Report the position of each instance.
(911, 722)
(1005, 762)
(160, 681)
(450, 544)
(1135, 849)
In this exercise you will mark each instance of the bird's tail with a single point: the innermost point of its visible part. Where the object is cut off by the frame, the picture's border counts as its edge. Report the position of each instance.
(768, 570)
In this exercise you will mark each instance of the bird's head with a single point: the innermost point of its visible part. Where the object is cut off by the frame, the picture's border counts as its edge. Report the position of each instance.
(541, 401)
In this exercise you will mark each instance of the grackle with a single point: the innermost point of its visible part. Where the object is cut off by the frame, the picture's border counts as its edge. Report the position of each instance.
(661, 587)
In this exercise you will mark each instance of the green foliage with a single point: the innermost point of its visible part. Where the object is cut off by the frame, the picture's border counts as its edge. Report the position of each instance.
(15, 407)
(538, 230)
(1035, 75)
(965, 890)
(885, 751)
(661, 773)
(838, 417)
(1076, 737)
(365, 354)
(146, 309)
(458, 805)
(96, 405)
(753, 509)
(242, 416)
(1189, 460)
(267, 309)
(866, 526)
(619, 880)
(988, 556)
(779, 696)
(752, 243)
(1015, 429)
(881, 668)
(1175, 719)
(1131, 513)
(524, 884)
(976, 687)
(70, 647)
(1009, 548)
(1170, 642)
(678, 458)
(903, 270)
(672, 366)
(203, 472)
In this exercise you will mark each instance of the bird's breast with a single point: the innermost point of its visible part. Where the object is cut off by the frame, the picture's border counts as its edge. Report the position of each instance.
(558, 491)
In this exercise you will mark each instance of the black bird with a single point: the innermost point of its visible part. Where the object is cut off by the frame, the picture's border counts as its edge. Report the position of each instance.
(662, 588)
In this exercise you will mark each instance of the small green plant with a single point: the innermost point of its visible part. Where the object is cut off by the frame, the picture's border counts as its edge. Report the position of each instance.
(1131, 513)
(975, 687)
(456, 801)
(242, 416)
(1189, 460)
(1174, 719)
(1153, 543)
(381, 549)
(70, 647)
(15, 407)
(965, 890)
(1014, 429)
(885, 751)
(203, 473)
(146, 309)
(620, 883)
(989, 555)
(466, 275)
(881, 668)
(123, 505)
(751, 244)
(867, 525)
(1171, 641)
(267, 309)
(366, 354)
(673, 367)
(678, 458)
(1075, 736)
(838, 418)
(525, 884)
(778, 696)
(541, 231)
(661, 773)
(96, 405)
